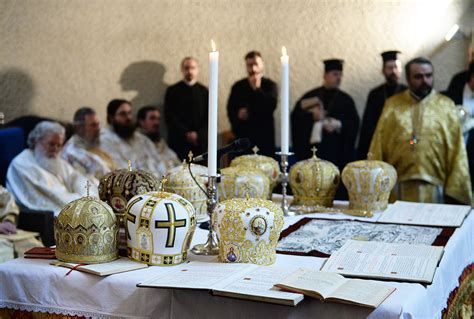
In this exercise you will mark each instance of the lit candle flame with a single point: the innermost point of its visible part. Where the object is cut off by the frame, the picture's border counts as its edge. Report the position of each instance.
(213, 45)
(283, 51)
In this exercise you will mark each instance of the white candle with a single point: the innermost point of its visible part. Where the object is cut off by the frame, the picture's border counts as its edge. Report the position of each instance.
(284, 101)
(212, 132)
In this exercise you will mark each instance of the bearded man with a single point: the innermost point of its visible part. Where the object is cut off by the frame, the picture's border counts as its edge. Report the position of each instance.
(124, 143)
(419, 133)
(38, 177)
(83, 149)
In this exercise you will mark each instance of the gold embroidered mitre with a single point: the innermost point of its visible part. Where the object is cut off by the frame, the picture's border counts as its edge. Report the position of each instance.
(159, 228)
(181, 182)
(119, 186)
(86, 232)
(314, 182)
(240, 182)
(248, 230)
(369, 184)
(266, 164)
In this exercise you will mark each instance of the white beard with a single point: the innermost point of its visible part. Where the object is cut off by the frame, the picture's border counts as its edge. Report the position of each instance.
(51, 164)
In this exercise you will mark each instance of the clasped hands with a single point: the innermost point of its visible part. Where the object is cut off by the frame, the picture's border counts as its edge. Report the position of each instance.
(330, 124)
(7, 228)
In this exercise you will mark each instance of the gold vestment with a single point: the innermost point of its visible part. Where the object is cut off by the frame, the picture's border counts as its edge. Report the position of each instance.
(424, 142)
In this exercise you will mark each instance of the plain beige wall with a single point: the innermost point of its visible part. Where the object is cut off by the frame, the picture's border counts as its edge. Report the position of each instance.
(57, 55)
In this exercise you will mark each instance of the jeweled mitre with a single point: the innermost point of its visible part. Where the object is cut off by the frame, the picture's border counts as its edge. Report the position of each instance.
(266, 164)
(118, 187)
(181, 182)
(369, 184)
(314, 182)
(86, 232)
(248, 230)
(159, 228)
(240, 182)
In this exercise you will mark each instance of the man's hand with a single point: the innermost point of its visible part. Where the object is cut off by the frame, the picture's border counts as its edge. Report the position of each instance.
(255, 81)
(7, 228)
(331, 125)
(192, 137)
(318, 113)
(243, 114)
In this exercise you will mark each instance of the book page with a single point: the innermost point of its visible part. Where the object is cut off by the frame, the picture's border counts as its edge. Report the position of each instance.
(425, 214)
(104, 269)
(385, 260)
(259, 282)
(196, 275)
(323, 283)
(363, 292)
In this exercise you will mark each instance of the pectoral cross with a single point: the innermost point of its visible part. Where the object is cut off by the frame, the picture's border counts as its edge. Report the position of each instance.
(129, 165)
(413, 141)
(255, 150)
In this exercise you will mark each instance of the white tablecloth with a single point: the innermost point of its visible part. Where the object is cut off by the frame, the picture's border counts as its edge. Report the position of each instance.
(34, 285)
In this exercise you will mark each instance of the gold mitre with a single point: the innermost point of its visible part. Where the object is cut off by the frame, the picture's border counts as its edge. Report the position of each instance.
(240, 182)
(314, 182)
(266, 164)
(159, 227)
(86, 232)
(369, 184)
(181, 182)
(119, 186)
(248, 230)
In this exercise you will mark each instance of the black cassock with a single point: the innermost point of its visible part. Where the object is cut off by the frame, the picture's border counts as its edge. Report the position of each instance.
(186, 110)
(372, 112)
(456, 87)
(260, 103)
(336, 147)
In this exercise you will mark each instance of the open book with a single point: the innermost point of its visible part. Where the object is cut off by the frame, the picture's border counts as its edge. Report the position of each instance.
(243, 281)
(333, 287)
(104, 269)
(425, 214)
(401, 262)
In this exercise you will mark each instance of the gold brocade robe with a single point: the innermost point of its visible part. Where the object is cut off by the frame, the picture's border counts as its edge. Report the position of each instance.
(438, 156)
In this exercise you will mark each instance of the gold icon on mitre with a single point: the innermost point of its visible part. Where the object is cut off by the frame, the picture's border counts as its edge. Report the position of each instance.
(248, 230)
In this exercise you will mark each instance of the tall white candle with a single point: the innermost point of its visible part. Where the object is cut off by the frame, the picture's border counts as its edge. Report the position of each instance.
(284, 101)
(212, 132)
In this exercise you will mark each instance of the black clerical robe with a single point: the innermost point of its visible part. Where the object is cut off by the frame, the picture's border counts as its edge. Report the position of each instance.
(373, 109)
(337, 147)
(456, 87)
(260, 103)
(186, 110)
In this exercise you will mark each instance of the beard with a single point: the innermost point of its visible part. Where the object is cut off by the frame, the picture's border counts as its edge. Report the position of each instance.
(155, 137)
(125, 131)
(392, 79)
(51, 164)
(423, 91)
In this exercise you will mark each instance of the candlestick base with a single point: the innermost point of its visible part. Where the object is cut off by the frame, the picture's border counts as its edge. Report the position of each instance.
(283, 178)
(211, 247)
